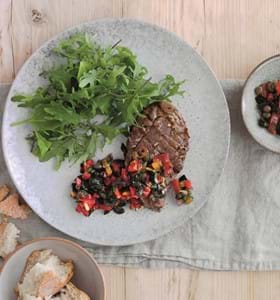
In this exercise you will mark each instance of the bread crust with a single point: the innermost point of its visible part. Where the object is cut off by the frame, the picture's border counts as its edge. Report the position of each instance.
(49, 283)
(72, 293)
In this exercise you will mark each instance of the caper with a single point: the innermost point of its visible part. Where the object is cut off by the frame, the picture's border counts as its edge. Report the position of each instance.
(258, 90)
(263, 123)
(267, 109)
(275, 82)
(260, 99)
(273, 107)
(270, 86)
(266, 115)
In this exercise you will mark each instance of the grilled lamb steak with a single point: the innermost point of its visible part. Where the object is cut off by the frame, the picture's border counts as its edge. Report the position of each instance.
(161, 130)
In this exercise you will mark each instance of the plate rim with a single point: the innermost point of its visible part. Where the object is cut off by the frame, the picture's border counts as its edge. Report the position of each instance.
(152, 236)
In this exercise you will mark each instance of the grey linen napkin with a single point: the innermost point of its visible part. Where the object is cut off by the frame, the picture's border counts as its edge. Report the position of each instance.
(237, 229)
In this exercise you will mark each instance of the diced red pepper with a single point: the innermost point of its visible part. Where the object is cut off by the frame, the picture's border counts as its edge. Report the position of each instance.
(78, 181)
(188, 184)
(86, 176)
(80, 209)
(278, 88)
(133, 194)
(134, 166)
(159, 179)
(168, 168)
(126, 195)
(89, 163)
(95, 196)
(135, 203)
(163, 157)
(88, 202)
(270, 97)
(86, 165)
(117, 193)
(146, 191)
(176, 185)
(273, 123)
(124, 175)
(109, 180)
(116, 167)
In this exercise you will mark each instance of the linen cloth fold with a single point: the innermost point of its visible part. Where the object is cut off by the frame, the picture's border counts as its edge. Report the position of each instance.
(237, 229)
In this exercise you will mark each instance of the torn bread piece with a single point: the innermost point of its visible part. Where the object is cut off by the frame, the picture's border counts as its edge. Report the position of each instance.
(70, 292)
(4, 192)
(11, 207)
(44, 275)
(9, 234)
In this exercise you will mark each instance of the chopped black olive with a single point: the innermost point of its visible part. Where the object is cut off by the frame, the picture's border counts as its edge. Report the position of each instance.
(118, 210)
(183, 178)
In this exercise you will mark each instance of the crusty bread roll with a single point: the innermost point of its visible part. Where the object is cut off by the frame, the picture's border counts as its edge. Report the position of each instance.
(44, 275)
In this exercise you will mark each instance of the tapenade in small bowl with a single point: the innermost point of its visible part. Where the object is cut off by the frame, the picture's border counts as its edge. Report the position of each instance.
(261, 103)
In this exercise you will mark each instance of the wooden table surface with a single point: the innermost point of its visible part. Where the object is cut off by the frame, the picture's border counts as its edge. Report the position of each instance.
(232, 35)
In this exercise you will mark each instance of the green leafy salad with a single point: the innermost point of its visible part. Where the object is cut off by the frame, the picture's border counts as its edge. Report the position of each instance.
(95, 95)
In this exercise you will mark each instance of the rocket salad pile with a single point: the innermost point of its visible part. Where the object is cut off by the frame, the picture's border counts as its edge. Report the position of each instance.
(108, 83)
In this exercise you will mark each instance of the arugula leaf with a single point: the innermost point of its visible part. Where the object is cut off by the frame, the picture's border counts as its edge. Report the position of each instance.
(108, 131)
(60, 113)
(92, 96)
(43, 144)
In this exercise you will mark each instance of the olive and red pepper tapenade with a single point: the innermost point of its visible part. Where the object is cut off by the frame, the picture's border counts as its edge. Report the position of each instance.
(110, 185)
(268, 104)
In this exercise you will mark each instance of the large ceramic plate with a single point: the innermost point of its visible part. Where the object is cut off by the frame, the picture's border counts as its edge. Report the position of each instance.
(203, 107)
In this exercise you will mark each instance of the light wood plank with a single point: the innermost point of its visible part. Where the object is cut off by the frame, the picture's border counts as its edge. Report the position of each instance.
(186, 18)
(115, 282)
(88, 10)
(240, 34)
(6, 48)
(183, 284)
(161, 284)
(21, 32)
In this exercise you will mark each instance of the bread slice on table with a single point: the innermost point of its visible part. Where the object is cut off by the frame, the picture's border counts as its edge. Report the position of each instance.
(10, 207)
(9, 234)
(70, 292)
(44, 275)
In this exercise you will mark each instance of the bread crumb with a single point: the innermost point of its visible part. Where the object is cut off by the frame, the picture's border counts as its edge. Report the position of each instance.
(11, 207)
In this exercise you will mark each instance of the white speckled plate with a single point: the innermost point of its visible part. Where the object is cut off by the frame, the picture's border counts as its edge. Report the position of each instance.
(267, 70)
(203, 107)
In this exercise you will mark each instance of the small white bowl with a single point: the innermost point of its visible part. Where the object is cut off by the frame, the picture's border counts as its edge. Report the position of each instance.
(87, 275)
(267, 70)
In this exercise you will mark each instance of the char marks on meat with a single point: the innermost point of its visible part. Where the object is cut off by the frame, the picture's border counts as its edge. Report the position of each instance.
(161, 129)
